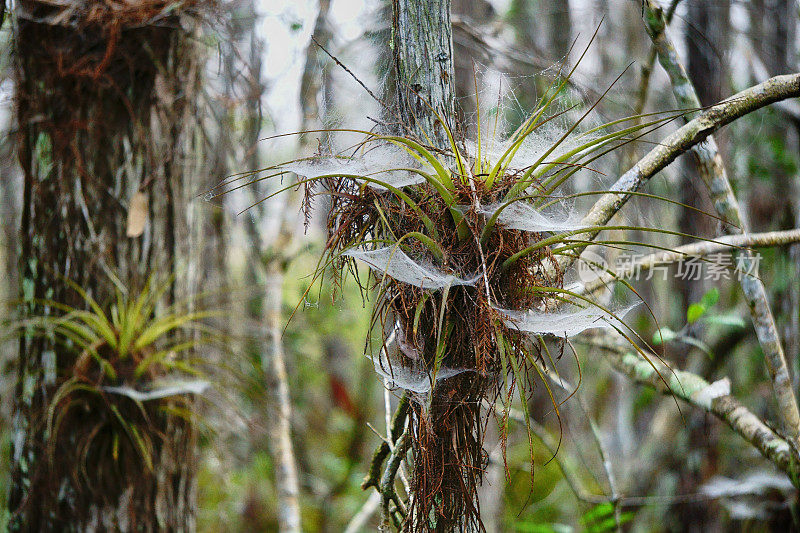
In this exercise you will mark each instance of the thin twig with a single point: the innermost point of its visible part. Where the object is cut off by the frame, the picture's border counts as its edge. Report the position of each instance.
(352, 75)
(604, 458)
(398, 423)
(387, 490)
(359, 519)
(552, 446)
(575, 484)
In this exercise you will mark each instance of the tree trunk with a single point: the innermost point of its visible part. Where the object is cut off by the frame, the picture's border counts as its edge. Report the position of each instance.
(274, 253)
(10, 195)
(445, 435)
(773, 29)
(423, 52)
(106, 116)
(706, 43)
(559, 28)
(287, 479)
(467, 59)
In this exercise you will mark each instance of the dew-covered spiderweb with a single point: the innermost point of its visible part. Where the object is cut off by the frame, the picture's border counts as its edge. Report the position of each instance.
(396, 264)
(566, 322)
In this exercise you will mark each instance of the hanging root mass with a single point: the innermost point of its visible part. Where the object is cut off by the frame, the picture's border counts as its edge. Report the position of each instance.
(453, 348)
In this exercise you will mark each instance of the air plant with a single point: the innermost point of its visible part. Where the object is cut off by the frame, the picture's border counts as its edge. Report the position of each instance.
(468, 250)
(128, 376)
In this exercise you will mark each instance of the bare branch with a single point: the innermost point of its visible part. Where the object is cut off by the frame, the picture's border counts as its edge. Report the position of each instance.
(647, 67)
(695, 390)
(359, 520)
(696, 249)
(697, 130)
(287, 481)
(397, 425)
(712, 171)
(388, 493)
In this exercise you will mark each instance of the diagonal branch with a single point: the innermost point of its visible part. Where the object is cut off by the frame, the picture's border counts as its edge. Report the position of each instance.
(751, 99)
(690, 135)
(712, 171)
(553, 448)
(695, 390)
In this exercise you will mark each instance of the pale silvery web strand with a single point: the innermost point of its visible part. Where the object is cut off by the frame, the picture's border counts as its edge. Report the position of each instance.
(523, 216)
(413, 379)
(533, 148)
(163, 390)
(396, 264)
(381, 164)
(567, 322)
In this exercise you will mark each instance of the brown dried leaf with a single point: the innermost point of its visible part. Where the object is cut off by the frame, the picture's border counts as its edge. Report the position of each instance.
(137, 215)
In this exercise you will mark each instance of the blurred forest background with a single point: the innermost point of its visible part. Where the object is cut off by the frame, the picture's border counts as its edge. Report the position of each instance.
(247, 71)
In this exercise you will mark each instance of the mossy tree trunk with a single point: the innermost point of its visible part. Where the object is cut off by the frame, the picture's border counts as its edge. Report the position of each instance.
(106, 112)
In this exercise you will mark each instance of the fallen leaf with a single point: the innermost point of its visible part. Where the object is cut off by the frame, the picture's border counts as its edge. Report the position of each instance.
(137, 215)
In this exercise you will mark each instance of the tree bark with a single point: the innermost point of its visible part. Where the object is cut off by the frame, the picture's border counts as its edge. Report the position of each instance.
(106, 113)
(422, 42)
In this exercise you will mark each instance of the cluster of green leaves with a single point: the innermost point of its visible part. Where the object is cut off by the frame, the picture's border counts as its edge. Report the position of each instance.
(132, 343)
(132, 327)
(446, 173)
